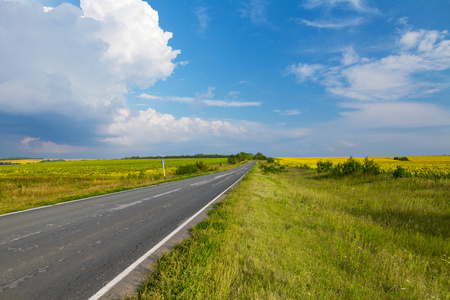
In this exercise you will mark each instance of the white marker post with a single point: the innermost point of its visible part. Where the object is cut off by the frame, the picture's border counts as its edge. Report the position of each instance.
(164, 169)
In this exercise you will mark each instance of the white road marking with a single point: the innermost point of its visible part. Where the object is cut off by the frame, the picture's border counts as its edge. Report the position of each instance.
(128, 270)
(25, 236)
(123, 206)
(199, 183)
(163, 194)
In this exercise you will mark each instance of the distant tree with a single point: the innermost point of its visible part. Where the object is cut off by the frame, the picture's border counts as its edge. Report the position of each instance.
(231, 159)
(259, 156)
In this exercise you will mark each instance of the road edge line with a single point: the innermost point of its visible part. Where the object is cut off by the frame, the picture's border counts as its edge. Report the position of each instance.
(128, 270)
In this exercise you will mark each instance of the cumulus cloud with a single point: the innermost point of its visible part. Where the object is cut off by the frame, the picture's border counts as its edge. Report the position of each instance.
(78, 64)
(137, 45)
(389, 78)
(70, 60)
(149, 127)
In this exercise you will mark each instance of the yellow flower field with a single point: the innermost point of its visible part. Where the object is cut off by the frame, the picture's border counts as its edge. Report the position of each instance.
(417, 166)
(31, 183)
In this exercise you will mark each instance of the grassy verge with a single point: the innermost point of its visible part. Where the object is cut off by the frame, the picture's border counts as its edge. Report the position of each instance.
(299, 235)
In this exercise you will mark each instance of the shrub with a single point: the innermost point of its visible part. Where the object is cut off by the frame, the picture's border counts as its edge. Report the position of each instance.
(304, 167)
(371, 167)
(202, 166)
(186, 169)
(400, 172)
(192, 168)
(272, 169)
(324, 166)
(270, 160)
(403, 158)
(351, 166)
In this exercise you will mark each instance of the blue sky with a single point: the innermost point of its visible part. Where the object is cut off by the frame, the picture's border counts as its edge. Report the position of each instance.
(108, 79)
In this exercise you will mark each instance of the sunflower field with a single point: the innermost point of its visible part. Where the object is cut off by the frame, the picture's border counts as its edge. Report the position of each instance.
(431, 167)
(30, 183)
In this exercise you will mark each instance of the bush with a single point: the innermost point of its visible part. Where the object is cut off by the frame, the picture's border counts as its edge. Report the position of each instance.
(272, 169)
(324, 166)
(400, 172)
(186, 169)
(371, 167)
(304, 167)
(403, 158)
(351, 166)
(232, 160)
(202, 166)
(192, 168)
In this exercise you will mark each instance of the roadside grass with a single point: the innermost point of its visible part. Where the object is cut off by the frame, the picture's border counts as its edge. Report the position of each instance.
(32, 185)
(299, 235)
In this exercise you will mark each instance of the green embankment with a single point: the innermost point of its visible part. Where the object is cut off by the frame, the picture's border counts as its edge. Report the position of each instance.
(300, 235)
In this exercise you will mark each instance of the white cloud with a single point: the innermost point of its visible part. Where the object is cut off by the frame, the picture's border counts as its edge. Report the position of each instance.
(26, 141)
(146, 128)
(36, 145)
(151, 97)
(203, 19)
(137, 45)
(256, 10)
(385, 128)
(389, 78)
(77, 65)
(224, 103)
(357, 5)
(349, 56)
(208, 94)
(304, 71)
(395, 115)
(79, 62)
(150, 127)
(206, 98)
(333, 24)
(289, 112)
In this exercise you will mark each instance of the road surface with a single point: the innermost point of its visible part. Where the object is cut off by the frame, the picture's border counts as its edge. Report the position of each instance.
(72, 250)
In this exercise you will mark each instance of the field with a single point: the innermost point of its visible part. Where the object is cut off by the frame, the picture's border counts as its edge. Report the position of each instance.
(31, 184)
(417, 166)
(297, 234)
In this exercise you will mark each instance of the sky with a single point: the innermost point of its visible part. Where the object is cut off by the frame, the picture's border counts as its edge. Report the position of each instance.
(110, 79)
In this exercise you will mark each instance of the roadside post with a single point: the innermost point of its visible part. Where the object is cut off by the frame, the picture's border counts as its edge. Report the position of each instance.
(164, 169)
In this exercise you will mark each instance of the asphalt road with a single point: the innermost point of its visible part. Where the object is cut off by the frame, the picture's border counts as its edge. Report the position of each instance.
(72, 250)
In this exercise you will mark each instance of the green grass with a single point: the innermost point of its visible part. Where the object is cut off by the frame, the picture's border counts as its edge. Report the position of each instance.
(299, 235)
(32, 185)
